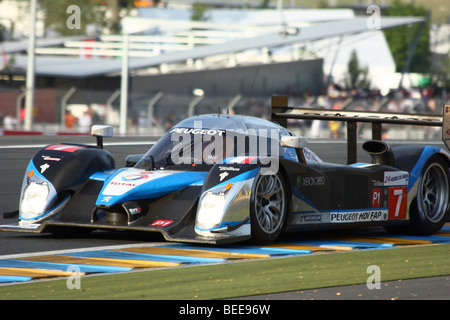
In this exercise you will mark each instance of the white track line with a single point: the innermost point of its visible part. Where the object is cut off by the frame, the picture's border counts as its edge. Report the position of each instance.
(32, 146)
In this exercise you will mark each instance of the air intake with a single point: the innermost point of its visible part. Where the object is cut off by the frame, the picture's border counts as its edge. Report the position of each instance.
(379, 151)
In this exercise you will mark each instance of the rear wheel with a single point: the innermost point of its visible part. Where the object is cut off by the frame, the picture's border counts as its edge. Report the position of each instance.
(268, 208)
(429, 211)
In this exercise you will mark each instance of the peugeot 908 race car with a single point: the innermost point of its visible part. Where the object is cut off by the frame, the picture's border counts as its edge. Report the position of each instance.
(227, 178)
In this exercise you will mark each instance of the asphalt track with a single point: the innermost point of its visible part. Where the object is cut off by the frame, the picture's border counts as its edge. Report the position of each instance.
(105, 252)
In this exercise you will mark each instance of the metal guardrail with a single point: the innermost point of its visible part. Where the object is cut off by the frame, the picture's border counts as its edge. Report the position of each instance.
(280, 112)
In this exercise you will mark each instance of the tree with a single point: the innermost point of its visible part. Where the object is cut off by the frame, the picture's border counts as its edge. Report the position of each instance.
(356, 77)
(2, 32)
(115, 7)
(264, 4)
(400, 39)
(198, 12)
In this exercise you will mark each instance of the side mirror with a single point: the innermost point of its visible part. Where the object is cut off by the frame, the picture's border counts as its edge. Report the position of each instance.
(293, 142)
(132, 159)
(100, 132)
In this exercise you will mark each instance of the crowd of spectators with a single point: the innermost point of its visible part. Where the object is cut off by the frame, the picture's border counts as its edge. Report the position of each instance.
(414, 100)
(417, 100)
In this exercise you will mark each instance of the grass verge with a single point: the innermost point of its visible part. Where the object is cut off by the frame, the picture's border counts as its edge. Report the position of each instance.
(246, 278)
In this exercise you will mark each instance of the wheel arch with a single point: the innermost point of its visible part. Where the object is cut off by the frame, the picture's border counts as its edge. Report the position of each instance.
(288, 189)
(419, 222)
(427, 153)
(445, 157)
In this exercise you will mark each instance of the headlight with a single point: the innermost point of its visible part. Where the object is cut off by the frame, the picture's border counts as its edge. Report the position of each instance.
(34, 200)
(211, 209)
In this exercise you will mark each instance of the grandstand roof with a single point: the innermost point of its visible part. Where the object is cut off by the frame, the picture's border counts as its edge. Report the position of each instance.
(75, 67)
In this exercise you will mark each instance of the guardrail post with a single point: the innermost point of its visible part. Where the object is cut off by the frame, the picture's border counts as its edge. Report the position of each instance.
(351, 142)
(446, 125)
(376, 130)
(279, 104)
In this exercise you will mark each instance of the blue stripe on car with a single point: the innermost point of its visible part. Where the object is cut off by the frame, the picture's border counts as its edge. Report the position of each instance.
(416, 172)
(155, 188)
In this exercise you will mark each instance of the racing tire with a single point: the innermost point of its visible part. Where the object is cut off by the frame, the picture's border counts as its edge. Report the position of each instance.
(429, 211)
(268, 208)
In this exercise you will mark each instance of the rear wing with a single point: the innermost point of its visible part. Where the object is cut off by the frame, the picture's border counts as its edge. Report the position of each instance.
(280, 113)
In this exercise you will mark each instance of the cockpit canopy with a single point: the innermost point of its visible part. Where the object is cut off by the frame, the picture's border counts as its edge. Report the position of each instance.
(210, 139)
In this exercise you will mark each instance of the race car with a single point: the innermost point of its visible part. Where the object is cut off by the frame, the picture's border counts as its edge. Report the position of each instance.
(226, 178)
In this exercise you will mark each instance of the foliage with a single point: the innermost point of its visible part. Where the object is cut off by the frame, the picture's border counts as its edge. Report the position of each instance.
(264, 4)
(2, 30)
(357, 76)
(56, 15)
(198, 12)
(400, 39)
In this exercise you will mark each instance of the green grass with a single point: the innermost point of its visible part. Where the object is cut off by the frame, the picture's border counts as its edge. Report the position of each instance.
(247, 278)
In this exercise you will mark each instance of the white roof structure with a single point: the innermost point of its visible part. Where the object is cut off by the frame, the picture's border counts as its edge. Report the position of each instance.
(9, 47)
(58, 66)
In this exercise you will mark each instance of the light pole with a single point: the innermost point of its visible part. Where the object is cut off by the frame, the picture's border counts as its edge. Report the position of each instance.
(124, 86)
(30, 82)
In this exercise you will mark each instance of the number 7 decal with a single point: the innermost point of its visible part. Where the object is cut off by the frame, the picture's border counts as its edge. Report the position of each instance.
(397, 202)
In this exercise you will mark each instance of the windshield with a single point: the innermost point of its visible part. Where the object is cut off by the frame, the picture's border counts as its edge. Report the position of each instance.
(208, 146)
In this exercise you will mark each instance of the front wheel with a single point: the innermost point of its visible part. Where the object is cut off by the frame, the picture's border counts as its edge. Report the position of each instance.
(429, 211)
(268, 208)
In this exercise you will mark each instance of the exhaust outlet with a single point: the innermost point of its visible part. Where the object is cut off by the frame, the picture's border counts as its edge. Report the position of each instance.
(380, 152)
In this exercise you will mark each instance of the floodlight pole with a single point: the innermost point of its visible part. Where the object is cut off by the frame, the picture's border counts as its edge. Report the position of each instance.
(30, 82)
(124, 86)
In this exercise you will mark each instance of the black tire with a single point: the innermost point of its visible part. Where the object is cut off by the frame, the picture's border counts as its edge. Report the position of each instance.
(429, 211)
(268, 208)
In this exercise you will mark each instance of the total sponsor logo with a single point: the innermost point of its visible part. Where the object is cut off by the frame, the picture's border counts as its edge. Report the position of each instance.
(358, 216)
(129, 179)
(137, 176)
(123, 184)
